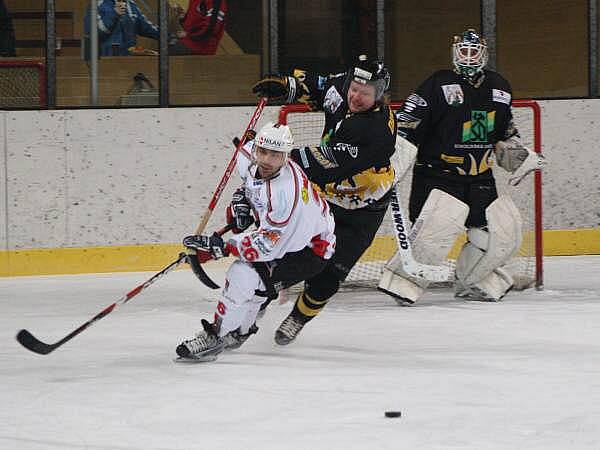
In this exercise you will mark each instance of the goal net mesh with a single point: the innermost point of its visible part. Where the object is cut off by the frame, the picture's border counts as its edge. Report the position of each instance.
(307, 128)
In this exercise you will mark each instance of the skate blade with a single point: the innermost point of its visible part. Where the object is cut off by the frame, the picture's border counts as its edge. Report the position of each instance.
(195, 359)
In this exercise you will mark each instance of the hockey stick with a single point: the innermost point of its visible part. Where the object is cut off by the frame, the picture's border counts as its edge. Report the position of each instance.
(230, 166)
(196, 266)
(195, 262)
(30, 342)
(409, 264)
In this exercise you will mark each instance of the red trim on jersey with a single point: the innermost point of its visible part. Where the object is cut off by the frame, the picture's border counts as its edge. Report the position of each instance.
(245, 152)
(231, 249)
(270, 209)
(319, 246)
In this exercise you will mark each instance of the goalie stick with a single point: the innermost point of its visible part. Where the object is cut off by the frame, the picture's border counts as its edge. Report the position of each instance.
(409, 264)
(30, 342)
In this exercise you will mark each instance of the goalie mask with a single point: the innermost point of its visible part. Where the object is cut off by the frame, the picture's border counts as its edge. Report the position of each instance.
(370, 72)
(271, 147)
(469, 54)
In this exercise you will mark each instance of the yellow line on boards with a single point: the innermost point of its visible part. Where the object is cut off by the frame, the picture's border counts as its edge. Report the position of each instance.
(141, 258)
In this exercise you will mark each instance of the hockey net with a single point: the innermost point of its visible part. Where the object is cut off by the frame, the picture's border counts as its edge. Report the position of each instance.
(525, 267)
(22, 84)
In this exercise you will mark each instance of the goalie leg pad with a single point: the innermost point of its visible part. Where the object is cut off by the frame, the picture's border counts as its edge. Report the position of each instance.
(402, 287)
(441, 221)
(487, 250)
(403, 158)
(491, 289)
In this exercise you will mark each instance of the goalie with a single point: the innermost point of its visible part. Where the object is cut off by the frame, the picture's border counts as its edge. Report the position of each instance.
(458, 119)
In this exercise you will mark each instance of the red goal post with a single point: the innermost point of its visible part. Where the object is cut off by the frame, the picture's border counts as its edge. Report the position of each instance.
(22, 84)
(307, 127)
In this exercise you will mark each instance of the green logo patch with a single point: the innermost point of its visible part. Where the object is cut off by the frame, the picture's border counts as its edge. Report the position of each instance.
(477, 129)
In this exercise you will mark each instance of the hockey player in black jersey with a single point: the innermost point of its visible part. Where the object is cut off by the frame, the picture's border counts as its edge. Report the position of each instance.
(351, 166)
(459, 120)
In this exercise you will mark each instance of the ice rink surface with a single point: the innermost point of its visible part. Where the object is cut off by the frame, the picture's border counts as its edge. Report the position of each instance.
(520, 374)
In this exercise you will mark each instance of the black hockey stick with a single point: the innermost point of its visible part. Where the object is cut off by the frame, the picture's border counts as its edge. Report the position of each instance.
(30, 342)
(194, 263)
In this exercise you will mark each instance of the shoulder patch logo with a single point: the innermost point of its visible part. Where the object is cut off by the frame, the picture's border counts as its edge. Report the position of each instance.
(417, 100)
(454, 94)
(501, 96)
(333, 100)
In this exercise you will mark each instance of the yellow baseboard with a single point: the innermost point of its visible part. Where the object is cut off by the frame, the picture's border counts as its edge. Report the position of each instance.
(139, 258)
(571, 242)
(55, 261)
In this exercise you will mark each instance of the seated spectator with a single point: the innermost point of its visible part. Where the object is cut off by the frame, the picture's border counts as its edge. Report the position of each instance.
(119, 24)
(202, 25)
(7, 32)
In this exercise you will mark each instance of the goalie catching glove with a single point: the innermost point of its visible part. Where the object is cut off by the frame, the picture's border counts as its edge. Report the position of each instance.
(517, 159)
(239, 212)
(207, 247)
(278, 88)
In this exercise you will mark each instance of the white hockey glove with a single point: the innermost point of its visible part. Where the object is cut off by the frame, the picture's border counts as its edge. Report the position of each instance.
(533, 161)
(517, 159)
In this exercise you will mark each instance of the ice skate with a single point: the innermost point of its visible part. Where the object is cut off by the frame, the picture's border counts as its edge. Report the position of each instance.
(202, 348)
(289, 329)
(234, 339)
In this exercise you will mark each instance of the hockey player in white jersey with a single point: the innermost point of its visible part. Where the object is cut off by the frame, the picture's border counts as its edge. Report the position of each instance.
(293, 241)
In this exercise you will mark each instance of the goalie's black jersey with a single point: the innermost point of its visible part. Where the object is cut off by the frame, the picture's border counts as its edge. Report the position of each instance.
(456, 125)
(352, 163)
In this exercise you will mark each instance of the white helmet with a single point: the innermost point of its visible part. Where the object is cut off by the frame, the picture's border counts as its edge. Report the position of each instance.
(275, 137)
(469, 54)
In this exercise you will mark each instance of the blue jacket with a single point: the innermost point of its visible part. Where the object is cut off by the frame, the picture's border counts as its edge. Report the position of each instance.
(117, 33)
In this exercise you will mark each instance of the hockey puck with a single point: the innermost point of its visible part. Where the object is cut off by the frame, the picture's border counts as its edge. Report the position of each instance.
(393, 413)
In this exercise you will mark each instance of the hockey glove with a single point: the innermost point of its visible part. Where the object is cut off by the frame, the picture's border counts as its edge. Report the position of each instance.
(277, 88)
(533, 161)
(208, 247)
(239, 212)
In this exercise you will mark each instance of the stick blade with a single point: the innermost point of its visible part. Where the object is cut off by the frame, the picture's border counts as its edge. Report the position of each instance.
(200, 273)
(30, 342)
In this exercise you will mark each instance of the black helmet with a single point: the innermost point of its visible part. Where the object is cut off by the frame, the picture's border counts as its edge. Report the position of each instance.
(371, 72)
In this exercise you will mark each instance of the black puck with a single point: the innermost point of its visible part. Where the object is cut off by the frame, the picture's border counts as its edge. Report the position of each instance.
(393, 413)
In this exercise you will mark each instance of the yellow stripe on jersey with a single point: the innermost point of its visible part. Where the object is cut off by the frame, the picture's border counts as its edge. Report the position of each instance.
(361, 189)
(391, 121)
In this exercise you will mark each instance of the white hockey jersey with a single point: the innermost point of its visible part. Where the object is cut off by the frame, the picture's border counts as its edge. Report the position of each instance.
(291, 212)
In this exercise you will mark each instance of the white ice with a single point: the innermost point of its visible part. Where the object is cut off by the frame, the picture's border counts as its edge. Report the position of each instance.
(520, 374)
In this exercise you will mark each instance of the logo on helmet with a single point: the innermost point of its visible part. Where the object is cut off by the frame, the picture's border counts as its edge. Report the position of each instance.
(372, 72)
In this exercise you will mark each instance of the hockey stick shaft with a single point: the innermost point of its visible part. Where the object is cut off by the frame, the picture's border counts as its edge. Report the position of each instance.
(409, 264)
(30, 342)
(231, 166)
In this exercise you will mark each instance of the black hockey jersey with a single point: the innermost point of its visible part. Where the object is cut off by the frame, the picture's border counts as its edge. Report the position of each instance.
(352, 163)
(456, 125)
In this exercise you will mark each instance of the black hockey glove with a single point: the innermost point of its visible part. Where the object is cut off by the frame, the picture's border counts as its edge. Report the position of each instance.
(208, 247)
(239, 212)
(277, 88)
